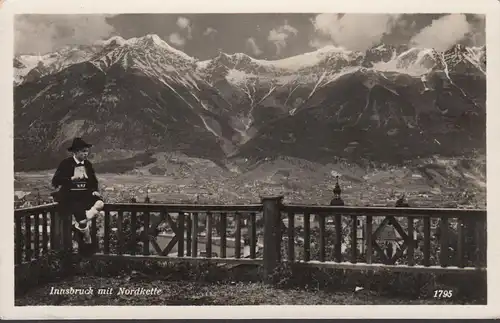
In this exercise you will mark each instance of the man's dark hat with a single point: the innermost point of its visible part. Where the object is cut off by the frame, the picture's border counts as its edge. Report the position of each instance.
(78, 143)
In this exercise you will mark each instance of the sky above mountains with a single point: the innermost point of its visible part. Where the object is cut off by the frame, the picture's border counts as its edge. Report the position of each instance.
(265, 36)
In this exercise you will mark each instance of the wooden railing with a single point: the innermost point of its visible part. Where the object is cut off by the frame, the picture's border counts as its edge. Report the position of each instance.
(37, 230)
(435, 240)
(138, 224)
(443, 250)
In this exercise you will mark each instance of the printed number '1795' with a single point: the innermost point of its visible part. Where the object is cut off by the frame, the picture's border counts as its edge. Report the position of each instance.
(443, 293)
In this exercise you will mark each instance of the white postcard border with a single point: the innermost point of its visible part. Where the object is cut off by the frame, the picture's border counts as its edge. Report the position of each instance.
(491, 8)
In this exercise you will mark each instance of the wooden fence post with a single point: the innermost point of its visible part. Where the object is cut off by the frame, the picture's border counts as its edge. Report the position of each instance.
(62, 231)
(272, 235)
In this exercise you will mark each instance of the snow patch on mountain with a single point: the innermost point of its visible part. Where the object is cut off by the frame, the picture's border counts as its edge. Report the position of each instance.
(311, 59)
(209, 128)
(52, 62)
(27, 63)
(470, 55)
(150, 39)
(415, 62)
(322, 77)
(203, 64)
(115, 40)
(237, 77)
(38, 95)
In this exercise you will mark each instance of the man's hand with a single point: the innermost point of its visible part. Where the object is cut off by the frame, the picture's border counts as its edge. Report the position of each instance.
(97, 194)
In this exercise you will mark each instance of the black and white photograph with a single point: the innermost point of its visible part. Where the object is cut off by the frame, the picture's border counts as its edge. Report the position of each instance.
(198, 159)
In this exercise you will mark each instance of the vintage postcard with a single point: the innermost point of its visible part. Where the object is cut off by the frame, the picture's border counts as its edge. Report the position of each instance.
(310, 159)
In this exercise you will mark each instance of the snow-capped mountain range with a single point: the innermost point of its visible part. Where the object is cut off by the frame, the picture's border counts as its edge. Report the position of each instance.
(142, 93)
(413, 61)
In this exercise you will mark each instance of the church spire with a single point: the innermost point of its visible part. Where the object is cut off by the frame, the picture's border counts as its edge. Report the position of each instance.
(337, 191)
(337, 200)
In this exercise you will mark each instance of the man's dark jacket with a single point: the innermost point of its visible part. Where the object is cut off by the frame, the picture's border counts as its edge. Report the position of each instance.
(63, 174)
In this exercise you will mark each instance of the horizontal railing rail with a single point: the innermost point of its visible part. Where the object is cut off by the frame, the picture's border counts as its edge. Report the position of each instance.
(393, 211)
(31, 209)
(182, 207)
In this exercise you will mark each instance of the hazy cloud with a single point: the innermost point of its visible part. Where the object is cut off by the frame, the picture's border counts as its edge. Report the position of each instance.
(443, 33)
(176, 39)
(46, 33)
(184, 23)
(289, 29)
(274, 36)
(355, 31)
(209, 31)
(319, 43)
(477, 34)
(279, 36)
(252, 45)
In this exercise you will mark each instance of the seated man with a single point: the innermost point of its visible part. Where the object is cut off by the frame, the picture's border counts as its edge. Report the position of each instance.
(78, 192)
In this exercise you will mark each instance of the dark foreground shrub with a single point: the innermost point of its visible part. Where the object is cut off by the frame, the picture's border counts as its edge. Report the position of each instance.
(165, 270)
(50, 267)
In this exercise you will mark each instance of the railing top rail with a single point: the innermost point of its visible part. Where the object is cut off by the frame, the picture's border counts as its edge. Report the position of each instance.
(182, 207)
(295, 208)
(42, 207)
(394, 211)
